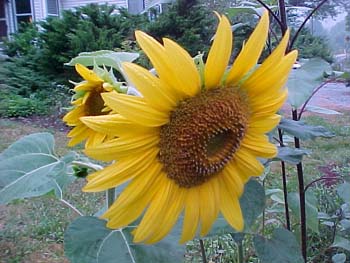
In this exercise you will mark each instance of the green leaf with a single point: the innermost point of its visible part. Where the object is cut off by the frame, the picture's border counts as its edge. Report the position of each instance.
(322, 110)
(282, 247)
(33, 143)
(310, 207)
(341, 242)
(345, 223)
(29, 168)
(103, 58)
(303, 131)
(291, 155)
(88, 240)
(168, 250)
(343, 191)
(234, 11)
(304, 80)
(252, 205)
(339, 258)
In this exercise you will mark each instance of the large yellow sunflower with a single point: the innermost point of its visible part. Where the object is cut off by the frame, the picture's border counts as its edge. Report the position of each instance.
(187, 147)
(88, 102)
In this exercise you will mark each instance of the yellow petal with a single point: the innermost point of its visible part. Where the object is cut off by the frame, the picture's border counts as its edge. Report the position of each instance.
(209, 204)
(80, 134)
(153, 218)
(95, 139)
(87, 74)
(138, 187)
(263, 124)
(268, 105)
(87, 86)
(155, 93)
(160, 60)
(127, 215)
(172, 214)
(191, 217)
(123, 147)
(183, 67)
(134, 198)
(259, 146)
(258, 84)
(121, 171)
(115, 125)
(219, 54)
(230, 207)
(72, 117)
(271, 62)
(135, 109)
(250, 53)
(247, 162)
(232, 179)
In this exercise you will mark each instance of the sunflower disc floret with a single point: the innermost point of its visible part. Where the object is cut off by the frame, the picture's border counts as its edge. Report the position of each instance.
(202, 135)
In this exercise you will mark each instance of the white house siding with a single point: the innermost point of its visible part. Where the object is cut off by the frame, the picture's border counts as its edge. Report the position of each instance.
(11, 28)
(39, 9)
(69, 4)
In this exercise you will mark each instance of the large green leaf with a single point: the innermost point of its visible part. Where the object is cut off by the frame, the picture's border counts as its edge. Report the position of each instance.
(310, 207)
(87, 240)
(282, 247)
(339, 258)
(33, 143)
(304, 80)
(252, 205)
(291, 155)
(303, 131)
(343, 191)
(30, 168)
(341, 242)
(167, 250)
(103, 58)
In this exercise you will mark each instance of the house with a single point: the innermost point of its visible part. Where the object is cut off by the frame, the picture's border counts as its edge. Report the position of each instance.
(13, 12)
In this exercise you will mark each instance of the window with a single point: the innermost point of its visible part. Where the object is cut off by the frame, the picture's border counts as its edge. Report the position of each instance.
(23, 12)
(3, 25)
(52, 7)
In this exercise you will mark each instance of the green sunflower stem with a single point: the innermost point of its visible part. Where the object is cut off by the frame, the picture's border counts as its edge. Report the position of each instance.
(240, 252)
(284, 182)
(301, 196)
(283, 16)
(204, 257)
(110, 197)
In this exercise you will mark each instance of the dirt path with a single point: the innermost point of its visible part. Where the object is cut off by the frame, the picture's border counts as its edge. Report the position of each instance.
(334, 96)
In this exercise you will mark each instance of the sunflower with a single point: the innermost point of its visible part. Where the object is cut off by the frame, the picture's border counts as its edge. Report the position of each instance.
(191, 142)
(88, 102)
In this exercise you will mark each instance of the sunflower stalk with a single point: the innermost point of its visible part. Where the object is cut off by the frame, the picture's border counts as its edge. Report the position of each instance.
(301, 186)
(284, 183)
(110, 197)
(240, 252)
(204, 257)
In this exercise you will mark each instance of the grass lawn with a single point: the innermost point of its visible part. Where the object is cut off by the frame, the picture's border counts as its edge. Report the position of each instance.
(32, 230)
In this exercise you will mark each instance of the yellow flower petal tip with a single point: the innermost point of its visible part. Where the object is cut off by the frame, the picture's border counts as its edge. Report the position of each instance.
(186, 150)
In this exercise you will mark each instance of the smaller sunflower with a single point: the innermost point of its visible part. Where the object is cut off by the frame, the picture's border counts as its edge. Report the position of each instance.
(87, 102)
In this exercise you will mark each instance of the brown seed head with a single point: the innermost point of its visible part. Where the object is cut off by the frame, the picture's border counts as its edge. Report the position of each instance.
(202, 135)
